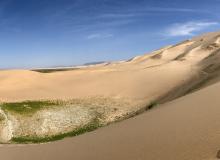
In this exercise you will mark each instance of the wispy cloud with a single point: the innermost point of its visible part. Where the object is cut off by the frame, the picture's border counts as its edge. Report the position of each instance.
(99, 36)
(134, 12)
(113, 17)
(188, 28)
(161, 9)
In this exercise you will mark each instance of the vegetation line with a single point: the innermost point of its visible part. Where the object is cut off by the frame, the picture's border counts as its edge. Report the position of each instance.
(30, 107)
(81, 130)
(27, 106)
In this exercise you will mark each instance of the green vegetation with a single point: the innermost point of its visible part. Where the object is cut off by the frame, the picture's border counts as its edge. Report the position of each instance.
(31, 107)
(151, 105)
(27, 106)
(81, 130)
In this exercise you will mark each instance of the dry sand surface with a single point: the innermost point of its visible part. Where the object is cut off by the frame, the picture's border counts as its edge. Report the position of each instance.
(184, 129)
(144, 77)
(187, 128)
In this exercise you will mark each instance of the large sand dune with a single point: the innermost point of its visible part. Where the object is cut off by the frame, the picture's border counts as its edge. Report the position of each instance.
(144, 77)
(186, 128)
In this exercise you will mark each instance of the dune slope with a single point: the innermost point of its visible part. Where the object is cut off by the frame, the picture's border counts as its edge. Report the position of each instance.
(85, 98)
(184, 129)
(102, 93)
(188, 63)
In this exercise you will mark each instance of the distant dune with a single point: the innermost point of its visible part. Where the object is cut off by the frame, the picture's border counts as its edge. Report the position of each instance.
(187, 128)
(146, 77)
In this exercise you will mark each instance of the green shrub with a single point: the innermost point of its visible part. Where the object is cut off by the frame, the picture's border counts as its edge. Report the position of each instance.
(151, 105)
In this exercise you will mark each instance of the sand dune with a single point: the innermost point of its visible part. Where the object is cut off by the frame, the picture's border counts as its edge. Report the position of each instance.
(122, 80)
(139, 78)
(184, 129)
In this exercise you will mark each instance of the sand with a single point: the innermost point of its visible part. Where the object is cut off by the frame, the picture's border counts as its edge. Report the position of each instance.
(137, 79)
(122, 82)
(183, 129)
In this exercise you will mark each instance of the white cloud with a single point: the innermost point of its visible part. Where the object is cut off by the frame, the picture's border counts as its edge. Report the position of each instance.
(99, 36)
(188, 28)
(134, 12)
(159, 9)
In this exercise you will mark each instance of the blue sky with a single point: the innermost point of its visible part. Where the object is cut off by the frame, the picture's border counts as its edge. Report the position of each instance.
(43, 33)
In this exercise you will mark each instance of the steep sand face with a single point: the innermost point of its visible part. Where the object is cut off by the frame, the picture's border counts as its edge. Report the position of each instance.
(184, 129)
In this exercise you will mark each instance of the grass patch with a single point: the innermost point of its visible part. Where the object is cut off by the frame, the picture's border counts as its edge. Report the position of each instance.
(81, 130)
(27, 106)
(151, 105)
